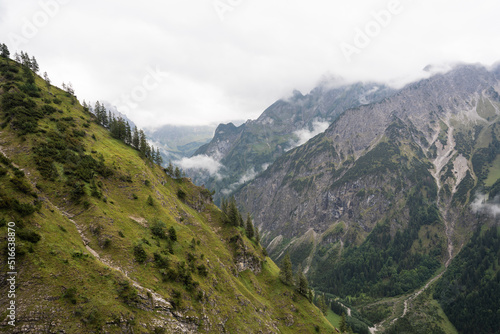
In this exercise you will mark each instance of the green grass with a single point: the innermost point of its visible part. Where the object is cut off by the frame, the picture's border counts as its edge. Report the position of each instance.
(333, 318)
(494, 172)
(60, 261)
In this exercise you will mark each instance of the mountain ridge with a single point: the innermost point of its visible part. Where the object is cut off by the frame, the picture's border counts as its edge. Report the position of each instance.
(385, 190)
(256, 143)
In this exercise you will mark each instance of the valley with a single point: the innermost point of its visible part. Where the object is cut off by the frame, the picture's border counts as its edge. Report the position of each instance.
(379, 204)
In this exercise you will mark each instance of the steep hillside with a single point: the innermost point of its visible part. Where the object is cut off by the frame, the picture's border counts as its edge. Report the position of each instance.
(380, 203)
(247, 150)
(105, 241)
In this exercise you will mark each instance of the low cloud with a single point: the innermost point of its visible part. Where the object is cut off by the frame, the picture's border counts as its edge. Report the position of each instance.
(203, 163)
(482, 205)
(248, 176)
(305, 134)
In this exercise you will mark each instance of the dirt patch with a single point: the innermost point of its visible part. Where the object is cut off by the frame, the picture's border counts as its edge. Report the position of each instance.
(139, 220)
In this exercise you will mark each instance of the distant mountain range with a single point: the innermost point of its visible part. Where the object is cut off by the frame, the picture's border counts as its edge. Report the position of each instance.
(177, 141)
(384, 199)
(248, 149)
(374, 191)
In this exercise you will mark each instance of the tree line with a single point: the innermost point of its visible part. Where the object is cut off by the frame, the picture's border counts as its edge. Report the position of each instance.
(120, 129)
(233, 217)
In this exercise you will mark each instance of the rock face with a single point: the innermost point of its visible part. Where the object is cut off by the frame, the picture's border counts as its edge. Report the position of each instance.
(248, 149)
(430, 143)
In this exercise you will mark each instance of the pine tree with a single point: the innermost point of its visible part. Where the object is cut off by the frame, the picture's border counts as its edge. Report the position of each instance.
(241, 222)
(322, 304)
(158, 158)
(25, 59)
(135, 138)
(143, 144)
(110, 119)
(17, 58)
(232, 213)
(97, 110)
(302, 284)
(343, 324)
(5, 51)
(223, 205)
(128, 134)
(47, 80)
(177, 173)
(257, 235)
(104, 116)
(34, 65)
(172, 234)
(286, 274)
(148, 151)
(170, 169)
(249, 227)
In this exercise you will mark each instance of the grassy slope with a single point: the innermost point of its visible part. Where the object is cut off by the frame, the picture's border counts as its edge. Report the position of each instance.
(99, 298)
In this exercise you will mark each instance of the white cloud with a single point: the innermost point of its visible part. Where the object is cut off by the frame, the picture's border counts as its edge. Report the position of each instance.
(303, 135)
(201, 162)
(248, 176)
(235, 68)
(482, 205)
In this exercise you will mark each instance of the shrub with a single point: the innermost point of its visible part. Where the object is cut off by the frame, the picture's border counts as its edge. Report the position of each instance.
(140, 254)
(24, 209)
(21, 184)
(159, 229)
(28, 235)
(181, 194)
(48, 109)
(202, 270)
(127, 292)
(70, 294)
(170, 246)
(78, 133)
(172, 234)
(18, 173)
(107, 243)
(161, 261)
(176, 299)
(150, 201)
(78, 190)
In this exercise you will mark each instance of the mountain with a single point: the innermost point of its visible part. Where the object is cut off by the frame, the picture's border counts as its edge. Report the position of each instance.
(381, 203)
(248, 149)
(177, 141)
(100, 239)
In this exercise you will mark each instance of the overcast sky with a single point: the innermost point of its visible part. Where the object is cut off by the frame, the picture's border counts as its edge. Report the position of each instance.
(210, 61)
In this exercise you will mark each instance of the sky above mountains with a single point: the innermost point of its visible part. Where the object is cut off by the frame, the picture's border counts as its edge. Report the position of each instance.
(200, 62)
